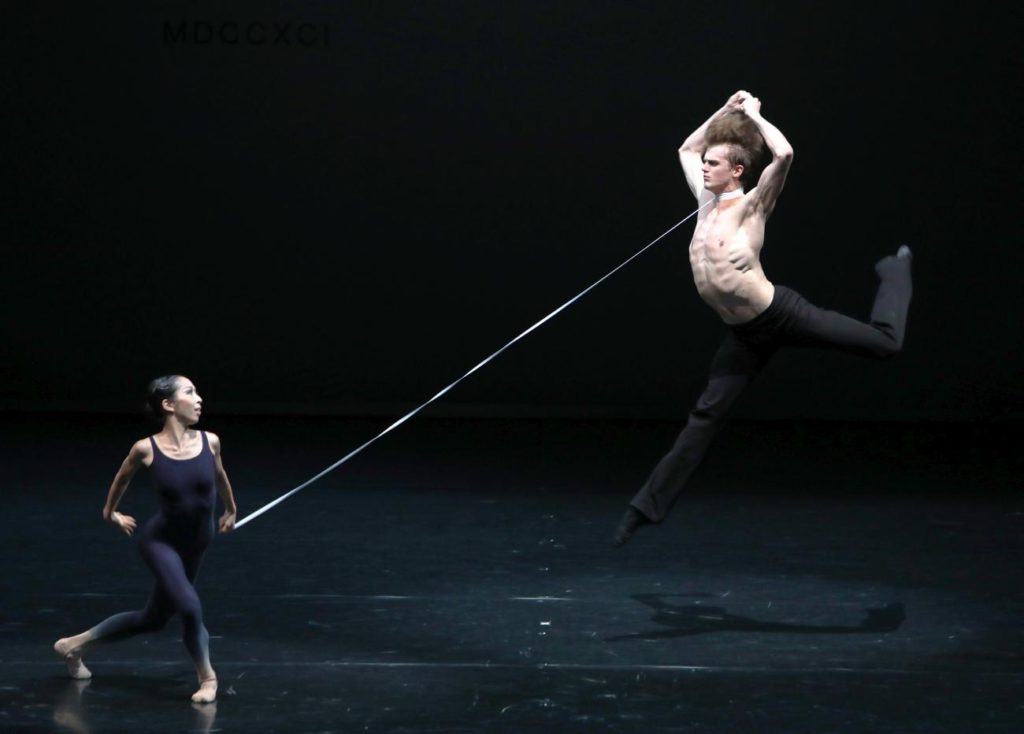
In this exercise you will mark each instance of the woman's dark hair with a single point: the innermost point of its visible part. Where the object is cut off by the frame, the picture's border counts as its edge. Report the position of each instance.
(160, 389)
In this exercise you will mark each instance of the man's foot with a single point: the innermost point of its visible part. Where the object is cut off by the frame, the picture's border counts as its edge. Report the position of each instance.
(892, 264)
(72, 658)
(207, 692)
(632, 520)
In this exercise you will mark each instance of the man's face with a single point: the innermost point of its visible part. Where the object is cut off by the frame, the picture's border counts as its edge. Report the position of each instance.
(718, 172)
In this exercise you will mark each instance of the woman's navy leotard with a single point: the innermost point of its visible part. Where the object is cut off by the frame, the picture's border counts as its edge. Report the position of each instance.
(188, 492)
(172, 543)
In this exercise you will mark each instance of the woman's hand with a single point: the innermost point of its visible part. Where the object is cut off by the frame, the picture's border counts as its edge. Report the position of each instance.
(125, 522)
(227, 522)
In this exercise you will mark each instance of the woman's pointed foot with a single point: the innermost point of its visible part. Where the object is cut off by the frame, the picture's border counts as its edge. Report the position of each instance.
(72, 658)
(207, 692)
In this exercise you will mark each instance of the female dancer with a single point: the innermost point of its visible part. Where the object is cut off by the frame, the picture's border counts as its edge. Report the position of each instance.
(187, 470)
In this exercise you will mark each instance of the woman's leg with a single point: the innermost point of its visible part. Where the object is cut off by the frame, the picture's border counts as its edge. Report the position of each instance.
(116, 627)
(175, 575)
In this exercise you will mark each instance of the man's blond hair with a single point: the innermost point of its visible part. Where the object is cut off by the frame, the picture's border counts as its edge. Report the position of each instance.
(744, 142)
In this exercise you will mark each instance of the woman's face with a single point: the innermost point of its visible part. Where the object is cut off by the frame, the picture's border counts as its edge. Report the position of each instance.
(186, 404)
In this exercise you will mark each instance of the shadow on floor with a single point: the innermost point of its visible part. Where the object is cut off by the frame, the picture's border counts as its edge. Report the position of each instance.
(697, 619)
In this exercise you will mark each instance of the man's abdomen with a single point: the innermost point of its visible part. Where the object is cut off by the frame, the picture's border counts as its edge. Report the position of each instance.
(736, 297)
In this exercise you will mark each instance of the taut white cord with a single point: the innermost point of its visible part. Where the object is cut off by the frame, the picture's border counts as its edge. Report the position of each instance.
(411, 413)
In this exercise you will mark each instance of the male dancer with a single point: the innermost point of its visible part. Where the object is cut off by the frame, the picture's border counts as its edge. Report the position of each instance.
(718, 160)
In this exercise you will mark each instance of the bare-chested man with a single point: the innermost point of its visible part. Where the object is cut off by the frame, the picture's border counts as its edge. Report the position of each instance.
(718, 159)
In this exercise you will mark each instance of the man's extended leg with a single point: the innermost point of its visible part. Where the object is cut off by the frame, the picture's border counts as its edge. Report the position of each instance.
(735, 364)
(705, 421)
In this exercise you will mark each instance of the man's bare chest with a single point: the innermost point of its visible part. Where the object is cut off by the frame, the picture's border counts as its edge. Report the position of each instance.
(713, 234)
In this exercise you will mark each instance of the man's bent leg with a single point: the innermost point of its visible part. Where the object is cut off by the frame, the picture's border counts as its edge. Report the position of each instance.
(892, 301)
(810, 326)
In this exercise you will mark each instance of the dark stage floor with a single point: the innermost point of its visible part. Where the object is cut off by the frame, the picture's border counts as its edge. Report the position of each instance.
(458, 577)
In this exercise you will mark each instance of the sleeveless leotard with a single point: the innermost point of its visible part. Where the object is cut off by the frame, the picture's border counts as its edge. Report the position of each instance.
(172, 543)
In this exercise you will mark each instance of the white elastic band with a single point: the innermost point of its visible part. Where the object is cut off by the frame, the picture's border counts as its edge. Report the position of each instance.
(411, 413)
(728, 195)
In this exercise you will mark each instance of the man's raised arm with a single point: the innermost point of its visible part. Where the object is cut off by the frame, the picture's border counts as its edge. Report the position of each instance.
(691, 152)
(769, 186)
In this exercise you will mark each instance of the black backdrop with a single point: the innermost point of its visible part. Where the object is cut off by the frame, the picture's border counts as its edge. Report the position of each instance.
(341, 207)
